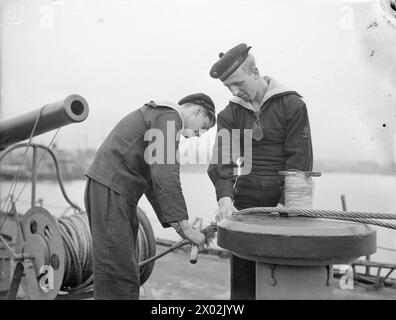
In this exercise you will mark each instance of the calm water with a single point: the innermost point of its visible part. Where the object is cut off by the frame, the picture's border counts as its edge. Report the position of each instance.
(370, 193)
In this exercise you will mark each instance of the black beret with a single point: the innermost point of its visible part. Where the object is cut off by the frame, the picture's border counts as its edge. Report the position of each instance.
(229, 62)
(202, 100)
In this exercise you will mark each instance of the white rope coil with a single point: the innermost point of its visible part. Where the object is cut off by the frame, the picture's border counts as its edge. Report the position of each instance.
(298, 190)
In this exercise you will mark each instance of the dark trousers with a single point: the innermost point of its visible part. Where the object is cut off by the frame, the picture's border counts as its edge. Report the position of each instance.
(114, 227)
(243, 272)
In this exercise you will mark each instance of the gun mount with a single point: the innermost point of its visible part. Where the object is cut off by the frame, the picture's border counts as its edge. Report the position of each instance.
(45, 256)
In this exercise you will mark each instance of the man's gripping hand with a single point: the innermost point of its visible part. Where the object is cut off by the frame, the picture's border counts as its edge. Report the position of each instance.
(226, 209)
(187, 232)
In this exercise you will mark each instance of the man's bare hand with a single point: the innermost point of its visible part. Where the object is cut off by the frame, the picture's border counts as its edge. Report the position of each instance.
(195, 237)
(226, 209)
(184, 229)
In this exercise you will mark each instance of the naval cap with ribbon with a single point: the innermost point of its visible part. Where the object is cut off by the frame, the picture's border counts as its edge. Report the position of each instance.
(202, 100)
(229, 62)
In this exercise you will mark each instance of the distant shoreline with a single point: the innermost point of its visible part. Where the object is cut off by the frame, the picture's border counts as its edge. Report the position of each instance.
(202, 168)
(74, 163)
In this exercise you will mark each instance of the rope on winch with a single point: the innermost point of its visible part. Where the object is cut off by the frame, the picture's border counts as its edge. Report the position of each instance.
(78, 252)
(77, 241)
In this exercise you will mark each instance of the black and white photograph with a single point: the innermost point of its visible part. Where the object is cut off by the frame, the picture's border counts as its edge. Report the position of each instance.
(213, 151)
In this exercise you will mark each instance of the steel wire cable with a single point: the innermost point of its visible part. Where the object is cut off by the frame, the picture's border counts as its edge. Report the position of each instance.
(77, 241)
(362, 217)
(78, 252)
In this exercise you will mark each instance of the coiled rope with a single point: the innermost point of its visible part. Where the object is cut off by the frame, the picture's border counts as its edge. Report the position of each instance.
(298, 189)
(77, 242)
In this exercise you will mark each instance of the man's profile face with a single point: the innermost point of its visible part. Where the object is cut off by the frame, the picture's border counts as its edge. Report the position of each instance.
(196, 124)
(242, 84)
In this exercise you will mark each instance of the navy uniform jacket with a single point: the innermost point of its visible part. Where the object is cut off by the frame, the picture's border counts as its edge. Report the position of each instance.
(286, 142)
(119, 163)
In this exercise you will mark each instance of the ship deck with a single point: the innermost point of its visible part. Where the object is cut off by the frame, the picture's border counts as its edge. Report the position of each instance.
(174, 278)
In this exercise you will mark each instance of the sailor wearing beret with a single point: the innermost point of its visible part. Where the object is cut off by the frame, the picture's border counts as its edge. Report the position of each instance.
(281, 140)
(122, 171)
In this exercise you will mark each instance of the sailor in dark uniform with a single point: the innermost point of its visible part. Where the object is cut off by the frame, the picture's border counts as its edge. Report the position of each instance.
(280, 140)
(139, 156)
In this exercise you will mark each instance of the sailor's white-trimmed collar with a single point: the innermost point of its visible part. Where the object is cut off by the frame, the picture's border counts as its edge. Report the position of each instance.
(173, 106)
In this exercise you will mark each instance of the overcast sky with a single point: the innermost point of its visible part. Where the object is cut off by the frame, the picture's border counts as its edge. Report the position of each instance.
(119, 54)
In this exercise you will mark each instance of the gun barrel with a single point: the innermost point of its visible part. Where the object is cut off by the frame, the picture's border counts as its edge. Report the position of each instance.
(73, 108)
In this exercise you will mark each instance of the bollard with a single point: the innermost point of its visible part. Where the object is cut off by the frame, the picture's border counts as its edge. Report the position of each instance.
(293, 256)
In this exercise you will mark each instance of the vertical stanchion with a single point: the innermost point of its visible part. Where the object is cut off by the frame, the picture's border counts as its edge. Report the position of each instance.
(34, 176)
